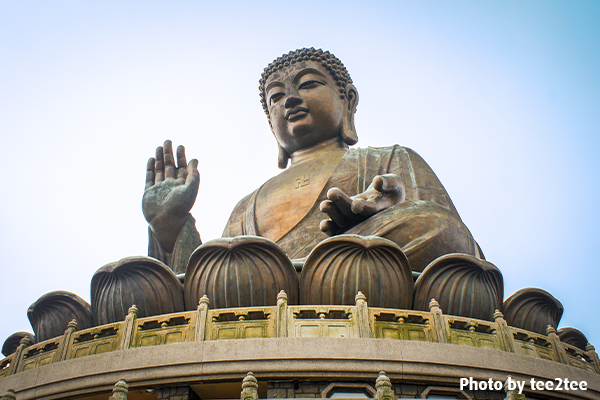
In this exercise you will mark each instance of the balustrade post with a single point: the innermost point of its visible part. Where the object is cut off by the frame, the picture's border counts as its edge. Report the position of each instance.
(512, 394)
(506, 337)
(439, 323)
(201, 319)
(282, 314)
(120, 391)
(362, 316)
(384, 388)
(249, 388)
(63, 347)
(129, 328)
(559, 349)
(18, 357)
(591, 351)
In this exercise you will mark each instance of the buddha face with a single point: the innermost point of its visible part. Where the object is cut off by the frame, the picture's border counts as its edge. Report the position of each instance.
(304, 105)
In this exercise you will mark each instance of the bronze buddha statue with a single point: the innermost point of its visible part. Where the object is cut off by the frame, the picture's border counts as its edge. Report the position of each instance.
(336, 222)
(310, 101)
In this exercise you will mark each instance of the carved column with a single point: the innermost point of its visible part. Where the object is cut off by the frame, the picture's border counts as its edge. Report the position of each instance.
(201, 319)
(439, 324)
(129, 327)
(591, 350)
(63, 348)
(559, 350)
(512, 394)
(282, 314)
(249, 388)
(120, 391)
(506, 337)
(384, 388)
(14, 365)
(362, 316)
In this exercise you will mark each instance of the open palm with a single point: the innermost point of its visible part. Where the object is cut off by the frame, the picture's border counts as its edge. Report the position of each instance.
(170, 192)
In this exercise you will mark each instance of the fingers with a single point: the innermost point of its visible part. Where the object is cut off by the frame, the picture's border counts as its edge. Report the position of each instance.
(150, 172)
(182, 165)
(341, 199)
(328, 227)
(159, 166)
(334, 214)
(193, 176)
(338, 208)
(170, 169)
(366, 208)
(388, 183)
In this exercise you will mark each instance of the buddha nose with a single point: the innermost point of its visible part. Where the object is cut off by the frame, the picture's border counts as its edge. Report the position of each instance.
(292, 100)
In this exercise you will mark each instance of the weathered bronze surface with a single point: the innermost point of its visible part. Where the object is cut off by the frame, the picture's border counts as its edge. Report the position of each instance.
(328, 189)
(50, 314)
(341, 266)
(349, 219)
(462, 285)
(141, 281)
(239, 272)
(532, 309)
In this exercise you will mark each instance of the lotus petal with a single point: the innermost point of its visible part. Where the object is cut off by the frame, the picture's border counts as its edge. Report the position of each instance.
(243, 271)
(341, 266)
(463, 285)
(50, 314)
(574, 337)
(12, 342)
(146, 282)
(532, 309)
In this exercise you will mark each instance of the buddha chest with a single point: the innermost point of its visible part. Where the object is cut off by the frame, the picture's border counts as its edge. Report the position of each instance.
(284, 200)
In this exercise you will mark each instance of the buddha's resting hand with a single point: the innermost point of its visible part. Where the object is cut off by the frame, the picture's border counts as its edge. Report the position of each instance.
(344, 211)
(170, 193)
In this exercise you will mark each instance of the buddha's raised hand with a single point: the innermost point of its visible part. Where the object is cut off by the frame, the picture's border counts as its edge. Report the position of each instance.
(170, 193)
(344, 211)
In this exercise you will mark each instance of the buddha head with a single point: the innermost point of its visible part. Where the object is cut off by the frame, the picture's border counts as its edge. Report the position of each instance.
(309, 98)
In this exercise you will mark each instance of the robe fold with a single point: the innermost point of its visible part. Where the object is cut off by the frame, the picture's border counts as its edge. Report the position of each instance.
(426, 225)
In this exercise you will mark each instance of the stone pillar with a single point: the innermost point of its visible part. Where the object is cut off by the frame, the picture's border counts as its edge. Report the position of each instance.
(249, 388)
(201, 319)
(282, 314)
(384, 388)
(129, 327)
(120, 391)
(591, 350)
(559, 350)
(362, 316)
(504, 333)
(9, 395)
(439, 323)
(63, 348)
(14, 365)
(512, 394)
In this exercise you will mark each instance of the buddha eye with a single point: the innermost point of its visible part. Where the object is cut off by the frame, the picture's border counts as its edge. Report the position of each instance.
(310, 84)
(275, 97)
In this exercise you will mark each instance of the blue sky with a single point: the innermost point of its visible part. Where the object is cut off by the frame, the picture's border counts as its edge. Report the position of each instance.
(502, 99)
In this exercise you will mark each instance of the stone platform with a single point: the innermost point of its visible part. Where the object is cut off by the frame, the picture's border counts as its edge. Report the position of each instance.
(295, 351)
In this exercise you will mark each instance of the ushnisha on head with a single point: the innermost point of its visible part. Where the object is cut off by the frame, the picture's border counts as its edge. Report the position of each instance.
(327, 105)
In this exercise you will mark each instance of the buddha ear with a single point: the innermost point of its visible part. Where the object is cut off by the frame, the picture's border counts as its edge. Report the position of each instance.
(348, 133)
(283, 157)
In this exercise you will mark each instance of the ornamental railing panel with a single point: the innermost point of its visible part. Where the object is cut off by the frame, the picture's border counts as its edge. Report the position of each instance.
(281, 320)
(100, 339)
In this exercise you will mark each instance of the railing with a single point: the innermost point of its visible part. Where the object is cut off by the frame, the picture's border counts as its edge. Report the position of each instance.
(358, 321)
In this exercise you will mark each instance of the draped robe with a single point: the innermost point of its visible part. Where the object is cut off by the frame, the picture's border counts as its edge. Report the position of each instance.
(426, 225)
